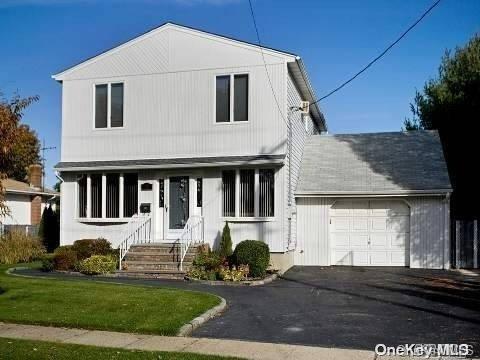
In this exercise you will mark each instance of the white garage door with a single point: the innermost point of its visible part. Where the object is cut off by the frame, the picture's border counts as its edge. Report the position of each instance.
(369, 233)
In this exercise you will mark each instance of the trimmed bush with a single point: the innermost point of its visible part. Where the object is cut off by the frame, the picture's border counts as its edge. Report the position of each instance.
(17, 247)
(47, 263)
(225, 248)
(98, 264)
(255, 254)
(88, 247)
(65, 258)
(208, 261)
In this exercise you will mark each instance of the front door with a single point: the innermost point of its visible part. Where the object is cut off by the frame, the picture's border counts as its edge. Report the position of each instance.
(178, 199)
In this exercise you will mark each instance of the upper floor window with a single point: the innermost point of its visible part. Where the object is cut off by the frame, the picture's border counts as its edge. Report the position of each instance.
(231, 98)
(109, 105)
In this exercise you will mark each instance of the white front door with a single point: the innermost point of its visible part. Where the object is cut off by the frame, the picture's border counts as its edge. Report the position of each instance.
(369, 233)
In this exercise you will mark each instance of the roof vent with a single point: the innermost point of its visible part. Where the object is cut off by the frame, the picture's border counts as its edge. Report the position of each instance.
(304, 107)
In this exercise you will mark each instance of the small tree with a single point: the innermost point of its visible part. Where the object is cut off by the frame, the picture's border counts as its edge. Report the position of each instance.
(226, 242)
(49, 230)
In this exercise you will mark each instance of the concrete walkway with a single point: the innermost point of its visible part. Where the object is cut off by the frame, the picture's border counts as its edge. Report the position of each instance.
(243, 349)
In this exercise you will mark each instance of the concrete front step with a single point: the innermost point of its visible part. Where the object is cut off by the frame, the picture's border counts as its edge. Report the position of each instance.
(153, 274)
(146, 256)
(154, 265)
(161, 248)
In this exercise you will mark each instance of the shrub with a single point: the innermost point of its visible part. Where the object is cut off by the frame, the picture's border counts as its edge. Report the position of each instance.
(16, 247)
(255, 254)
(98, 264)
(225, 248)
(208, 261)
(201, 274)
(47, 263)
(65, 258)
(88, 247)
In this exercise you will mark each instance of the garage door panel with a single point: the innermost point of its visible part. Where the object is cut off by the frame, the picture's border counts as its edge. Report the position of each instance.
(379, 258)
(360, 224)
(379, 241)
(398, 224)
(341, 224)
(378, 224)
(398, 241)
(359, 241)
(341, 240)
(374, 233)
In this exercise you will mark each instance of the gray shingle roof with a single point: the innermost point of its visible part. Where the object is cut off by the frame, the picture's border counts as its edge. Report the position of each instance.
(386, 163)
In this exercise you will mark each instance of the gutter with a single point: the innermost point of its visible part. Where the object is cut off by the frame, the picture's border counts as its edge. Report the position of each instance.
(303, 71)
(24, 192)
(433, 192)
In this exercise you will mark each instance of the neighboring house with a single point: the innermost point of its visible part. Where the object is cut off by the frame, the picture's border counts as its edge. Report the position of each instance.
(179, 123)
(186, 127)
(377, 199)
(26, 201)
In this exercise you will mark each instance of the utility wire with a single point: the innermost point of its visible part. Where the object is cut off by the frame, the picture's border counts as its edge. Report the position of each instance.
(265, 64)
(381, 54)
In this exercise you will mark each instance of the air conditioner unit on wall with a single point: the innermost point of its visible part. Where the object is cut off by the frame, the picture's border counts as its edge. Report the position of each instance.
(304, 107)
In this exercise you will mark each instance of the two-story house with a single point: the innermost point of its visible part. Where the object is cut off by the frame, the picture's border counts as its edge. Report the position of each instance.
(179, 123)
(192, 129)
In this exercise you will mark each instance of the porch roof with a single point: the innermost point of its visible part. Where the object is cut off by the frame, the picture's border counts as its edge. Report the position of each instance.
(172, 163)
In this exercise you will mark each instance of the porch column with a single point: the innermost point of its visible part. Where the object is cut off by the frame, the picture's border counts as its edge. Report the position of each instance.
(256, 194)
(89, 196)
(104, 196)
(120, 196)
(237, 192)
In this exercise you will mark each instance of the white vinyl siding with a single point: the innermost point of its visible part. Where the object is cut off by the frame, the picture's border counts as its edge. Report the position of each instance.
(302, 127)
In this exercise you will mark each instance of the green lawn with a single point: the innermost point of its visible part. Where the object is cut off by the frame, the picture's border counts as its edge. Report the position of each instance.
(102, 306)
(39, 350)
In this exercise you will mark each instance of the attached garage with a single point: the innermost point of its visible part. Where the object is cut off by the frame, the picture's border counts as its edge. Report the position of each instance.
(373, 200)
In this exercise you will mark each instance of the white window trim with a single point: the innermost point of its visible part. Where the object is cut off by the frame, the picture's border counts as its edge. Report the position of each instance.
(256, 202)
(88, 217)
(109, 105)
(232, 98)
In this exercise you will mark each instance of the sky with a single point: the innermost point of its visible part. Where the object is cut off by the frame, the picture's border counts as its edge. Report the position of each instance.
(335, 39)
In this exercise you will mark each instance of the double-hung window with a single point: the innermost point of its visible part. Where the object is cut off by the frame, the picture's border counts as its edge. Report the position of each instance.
(248, 193)
(109, 105)
(231, 98)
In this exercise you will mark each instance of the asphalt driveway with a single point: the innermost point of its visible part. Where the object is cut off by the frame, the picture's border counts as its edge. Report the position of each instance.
(348, 307)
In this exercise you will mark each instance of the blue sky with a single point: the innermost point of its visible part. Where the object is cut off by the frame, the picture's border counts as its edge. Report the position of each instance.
(335, 39)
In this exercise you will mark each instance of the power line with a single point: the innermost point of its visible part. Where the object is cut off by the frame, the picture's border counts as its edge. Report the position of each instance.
(381, 54)
(265, 63)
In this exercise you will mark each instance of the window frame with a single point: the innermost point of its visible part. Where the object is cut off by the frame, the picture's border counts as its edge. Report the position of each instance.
(256, 217)
(109, 104)
(121, 189)
(232, 98)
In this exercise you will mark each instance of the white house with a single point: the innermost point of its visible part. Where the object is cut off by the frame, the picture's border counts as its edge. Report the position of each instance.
(192, 129)
(26, 201)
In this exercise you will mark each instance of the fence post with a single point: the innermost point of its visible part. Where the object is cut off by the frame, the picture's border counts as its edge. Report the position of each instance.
(457, 244)
(475, 244)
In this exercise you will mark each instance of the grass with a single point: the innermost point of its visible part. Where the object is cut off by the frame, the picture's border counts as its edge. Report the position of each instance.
(101, 306)
(40, 350)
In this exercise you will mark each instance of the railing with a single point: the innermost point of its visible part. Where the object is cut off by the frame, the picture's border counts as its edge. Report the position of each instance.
(192, 234)
(138, 230)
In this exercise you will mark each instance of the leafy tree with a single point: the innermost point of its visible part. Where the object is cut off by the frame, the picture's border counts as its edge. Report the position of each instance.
(226, 242)
(450, 104)
(26, 150)
(11, 113)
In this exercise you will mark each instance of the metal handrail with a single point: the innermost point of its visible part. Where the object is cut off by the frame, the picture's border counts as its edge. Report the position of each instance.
(193, 233)
(138, 230)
